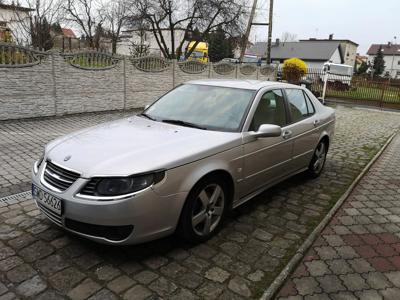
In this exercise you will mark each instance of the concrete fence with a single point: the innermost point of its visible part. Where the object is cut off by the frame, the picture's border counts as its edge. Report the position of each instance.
(59, 84)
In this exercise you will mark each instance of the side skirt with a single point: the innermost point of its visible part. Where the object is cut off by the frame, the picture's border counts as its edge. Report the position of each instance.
(248, 197)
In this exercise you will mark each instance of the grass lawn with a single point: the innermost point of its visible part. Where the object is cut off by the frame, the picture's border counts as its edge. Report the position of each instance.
(391, 94)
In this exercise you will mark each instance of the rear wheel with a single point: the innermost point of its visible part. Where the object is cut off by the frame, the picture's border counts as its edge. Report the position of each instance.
(318, 161)
(204, 210)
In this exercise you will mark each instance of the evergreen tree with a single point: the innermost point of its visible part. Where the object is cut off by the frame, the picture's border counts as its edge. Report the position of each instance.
(219, 46)
(363, 68)
(379, 63)
(56, 28)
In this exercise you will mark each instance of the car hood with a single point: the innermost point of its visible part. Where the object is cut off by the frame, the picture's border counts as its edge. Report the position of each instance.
(136, 145)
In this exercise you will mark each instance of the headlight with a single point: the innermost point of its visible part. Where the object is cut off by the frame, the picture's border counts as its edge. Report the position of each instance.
(118, 186)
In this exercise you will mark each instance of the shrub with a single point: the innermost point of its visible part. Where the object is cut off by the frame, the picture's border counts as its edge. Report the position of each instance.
(293, 70)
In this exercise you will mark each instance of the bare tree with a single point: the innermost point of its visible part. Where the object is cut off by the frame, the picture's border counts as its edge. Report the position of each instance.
(84, 13)
(116, 15)
(168, 17)
(288, 37)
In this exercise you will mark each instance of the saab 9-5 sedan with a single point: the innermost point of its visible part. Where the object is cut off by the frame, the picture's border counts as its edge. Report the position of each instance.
(203, 148)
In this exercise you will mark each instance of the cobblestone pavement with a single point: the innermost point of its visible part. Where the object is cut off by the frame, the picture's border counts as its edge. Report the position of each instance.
(22, 142)
(39, 260)
(358, 254)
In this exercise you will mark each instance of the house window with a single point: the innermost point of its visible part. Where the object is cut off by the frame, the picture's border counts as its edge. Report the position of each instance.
(398, 62)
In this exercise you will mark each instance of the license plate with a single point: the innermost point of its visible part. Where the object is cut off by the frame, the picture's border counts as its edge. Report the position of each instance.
(47, 200)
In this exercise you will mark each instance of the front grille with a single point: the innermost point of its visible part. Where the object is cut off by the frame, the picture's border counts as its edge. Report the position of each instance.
(58, 177)
(113, 233)
(51, 215)
(90, 187)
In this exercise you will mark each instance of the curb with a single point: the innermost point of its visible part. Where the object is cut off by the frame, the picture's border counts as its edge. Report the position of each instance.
(287, 270)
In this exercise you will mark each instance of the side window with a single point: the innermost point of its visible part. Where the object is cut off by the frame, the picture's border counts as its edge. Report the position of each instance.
(270, 110)
(310, 105)
(297, 104)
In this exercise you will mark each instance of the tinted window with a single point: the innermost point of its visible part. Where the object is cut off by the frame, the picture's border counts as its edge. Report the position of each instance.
(270, 110)
(298, 105)
(310, 106)
(212, 107)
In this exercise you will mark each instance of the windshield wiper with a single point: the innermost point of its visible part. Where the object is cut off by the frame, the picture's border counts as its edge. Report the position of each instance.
(183, 123)
(147, 116)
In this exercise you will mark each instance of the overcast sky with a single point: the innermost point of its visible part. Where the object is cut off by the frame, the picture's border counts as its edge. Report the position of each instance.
(362, 21)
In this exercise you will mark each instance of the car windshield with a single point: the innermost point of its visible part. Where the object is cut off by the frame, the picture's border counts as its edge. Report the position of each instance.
(203, 106)
(197, 54)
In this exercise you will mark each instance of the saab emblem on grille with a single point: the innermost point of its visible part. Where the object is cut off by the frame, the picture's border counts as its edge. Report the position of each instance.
(68, 157)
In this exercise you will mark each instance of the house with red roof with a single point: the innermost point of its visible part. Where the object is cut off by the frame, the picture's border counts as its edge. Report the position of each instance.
(68, 33)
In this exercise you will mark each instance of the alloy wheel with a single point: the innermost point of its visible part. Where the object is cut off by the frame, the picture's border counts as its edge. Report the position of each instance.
(208, 209)
(320, 156)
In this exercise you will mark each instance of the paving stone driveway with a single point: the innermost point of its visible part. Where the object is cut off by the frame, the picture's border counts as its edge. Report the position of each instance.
(39, 260)
(22, 142)
(358, 254)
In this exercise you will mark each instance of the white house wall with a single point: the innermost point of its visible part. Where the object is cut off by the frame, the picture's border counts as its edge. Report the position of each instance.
(124, 46)
(349, 53)
(392, 64)
(17, 22)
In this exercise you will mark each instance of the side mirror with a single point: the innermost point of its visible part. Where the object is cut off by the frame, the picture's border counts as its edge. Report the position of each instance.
(146, 106)
(268, 130)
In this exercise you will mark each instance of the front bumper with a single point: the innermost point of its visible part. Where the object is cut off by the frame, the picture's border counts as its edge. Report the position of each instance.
(142, 217)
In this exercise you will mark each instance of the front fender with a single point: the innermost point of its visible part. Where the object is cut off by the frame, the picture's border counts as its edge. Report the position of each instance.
(183, 178)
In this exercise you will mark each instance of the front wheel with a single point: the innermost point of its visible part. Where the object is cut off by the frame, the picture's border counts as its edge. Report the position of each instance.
(204, 210)
(318, 161)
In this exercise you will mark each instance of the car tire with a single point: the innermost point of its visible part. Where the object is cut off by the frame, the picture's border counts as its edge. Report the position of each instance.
(204, 210)
(318, 160)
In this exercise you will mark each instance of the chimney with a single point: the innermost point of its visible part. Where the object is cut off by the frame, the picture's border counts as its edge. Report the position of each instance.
(277, 42)
(331, 37)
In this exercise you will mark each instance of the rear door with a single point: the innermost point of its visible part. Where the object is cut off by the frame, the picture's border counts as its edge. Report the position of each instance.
(303, 128)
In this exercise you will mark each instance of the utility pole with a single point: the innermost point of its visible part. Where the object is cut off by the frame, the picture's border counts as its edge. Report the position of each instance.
(247, 33)
(271, 13)
(392, 69)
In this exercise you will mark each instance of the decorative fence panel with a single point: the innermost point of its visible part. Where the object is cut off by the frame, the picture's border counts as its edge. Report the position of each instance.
(37, 83)
(12, 56)
(91, 60)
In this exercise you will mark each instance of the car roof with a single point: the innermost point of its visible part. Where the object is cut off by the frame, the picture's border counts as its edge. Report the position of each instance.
(242, 84)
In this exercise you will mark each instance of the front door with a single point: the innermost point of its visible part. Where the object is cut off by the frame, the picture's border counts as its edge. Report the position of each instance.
(266, 159)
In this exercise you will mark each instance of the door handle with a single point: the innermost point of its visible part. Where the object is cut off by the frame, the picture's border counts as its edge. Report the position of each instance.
(316, 122)
(287, 134)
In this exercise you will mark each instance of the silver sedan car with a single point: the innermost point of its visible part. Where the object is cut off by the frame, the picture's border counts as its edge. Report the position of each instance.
(203, 148)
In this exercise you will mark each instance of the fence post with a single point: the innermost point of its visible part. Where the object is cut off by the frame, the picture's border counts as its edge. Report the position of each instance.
(124, 74)
(53, 75)
(384, 87)
(236, 70)
(173, 72)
